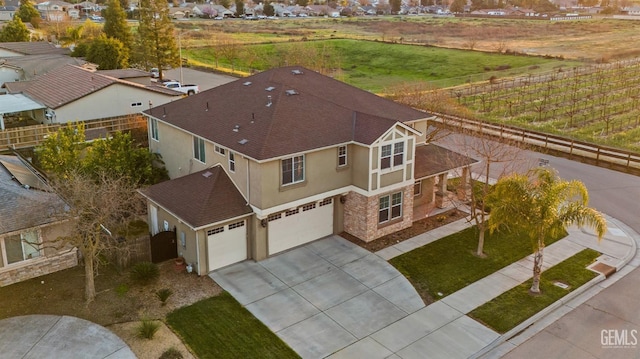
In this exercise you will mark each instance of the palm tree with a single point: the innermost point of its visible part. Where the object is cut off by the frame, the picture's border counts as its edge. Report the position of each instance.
(541, 205)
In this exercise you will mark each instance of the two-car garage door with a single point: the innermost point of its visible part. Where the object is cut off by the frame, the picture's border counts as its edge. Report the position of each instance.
(227, 244)
(301, 225)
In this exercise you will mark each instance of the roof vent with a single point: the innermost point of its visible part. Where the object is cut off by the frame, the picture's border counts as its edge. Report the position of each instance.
(243, 141)
(291, 92)
(270, 88)
(207, 174)
(269, 101)
(247, 83)
(236, 128)
(296, 72)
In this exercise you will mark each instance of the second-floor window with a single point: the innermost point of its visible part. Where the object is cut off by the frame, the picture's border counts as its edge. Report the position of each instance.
(342, 156)
(154, 129)
(392, 155)
(293, 170)
(219, 149)
(198, 149)
(232, 162)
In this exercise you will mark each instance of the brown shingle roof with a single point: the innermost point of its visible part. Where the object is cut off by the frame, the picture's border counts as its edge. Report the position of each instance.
(432, 159)
(36, 65)
(69, 83)
(124, 73)
(201, 198)
(33, 48)
(320, 112)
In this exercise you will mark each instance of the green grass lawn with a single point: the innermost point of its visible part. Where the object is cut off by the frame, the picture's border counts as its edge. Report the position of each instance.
(512, 307)
(374, 66)
(450, 264)
(219, 327)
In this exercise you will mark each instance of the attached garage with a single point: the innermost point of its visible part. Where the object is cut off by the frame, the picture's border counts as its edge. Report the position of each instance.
(301, 225)
(227, 244)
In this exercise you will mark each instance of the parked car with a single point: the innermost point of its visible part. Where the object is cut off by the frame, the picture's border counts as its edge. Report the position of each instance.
(155, 73)
(185, 89)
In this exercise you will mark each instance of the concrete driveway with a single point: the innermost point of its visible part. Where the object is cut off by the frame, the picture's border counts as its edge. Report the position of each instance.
(322, 297)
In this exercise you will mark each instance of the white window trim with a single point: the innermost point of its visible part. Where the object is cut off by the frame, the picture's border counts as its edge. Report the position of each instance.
(392, 162)
(201, 151)
(346, 160)
(154, 130)
(219, 150)
(232, 162)
(293, 170)
(419, 184)
(390, 207)
(3, 250)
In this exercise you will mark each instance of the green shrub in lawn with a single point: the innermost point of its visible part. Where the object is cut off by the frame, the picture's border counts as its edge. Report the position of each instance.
(450, 264)
(164, 294)
(512, 307)
(147, 329)
(219, 327)
(145, 272)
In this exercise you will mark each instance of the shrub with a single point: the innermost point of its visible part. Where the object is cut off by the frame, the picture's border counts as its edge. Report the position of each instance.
(122, 289)
(171, 353)
(147, 329)
(163, 295)
(145, 272)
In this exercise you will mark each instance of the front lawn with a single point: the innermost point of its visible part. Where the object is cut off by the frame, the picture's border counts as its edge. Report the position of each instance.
(450, 264)
(516, 305)
(219, 327)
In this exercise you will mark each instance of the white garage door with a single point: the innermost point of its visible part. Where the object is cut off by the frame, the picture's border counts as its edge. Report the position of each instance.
(227, 244)
(301, 225)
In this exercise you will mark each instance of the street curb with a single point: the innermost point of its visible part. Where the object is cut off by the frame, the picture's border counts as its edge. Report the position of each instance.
(631, 234)
(536, 317)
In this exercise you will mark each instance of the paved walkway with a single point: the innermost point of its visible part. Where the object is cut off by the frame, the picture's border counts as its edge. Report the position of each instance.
(54, 336)
(332, 298)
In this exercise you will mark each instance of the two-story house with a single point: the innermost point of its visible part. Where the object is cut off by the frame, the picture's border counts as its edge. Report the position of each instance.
(282, 158)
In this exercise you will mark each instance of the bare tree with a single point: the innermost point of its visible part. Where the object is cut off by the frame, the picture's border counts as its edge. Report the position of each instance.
(101, 210)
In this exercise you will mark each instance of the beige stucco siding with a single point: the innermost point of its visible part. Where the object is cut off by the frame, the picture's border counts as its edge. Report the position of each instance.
(321, 176)
(360, 166)
(176, 148)
(114, 100)
(390, 178)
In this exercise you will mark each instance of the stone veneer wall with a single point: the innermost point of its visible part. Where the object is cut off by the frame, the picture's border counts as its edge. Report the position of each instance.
(361, 215)
(38, 267)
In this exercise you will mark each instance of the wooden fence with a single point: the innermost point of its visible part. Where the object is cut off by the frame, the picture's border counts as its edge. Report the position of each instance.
(31, 136)
(602, 156)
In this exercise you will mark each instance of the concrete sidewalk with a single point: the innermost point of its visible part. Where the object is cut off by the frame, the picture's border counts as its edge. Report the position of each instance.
(443, 330)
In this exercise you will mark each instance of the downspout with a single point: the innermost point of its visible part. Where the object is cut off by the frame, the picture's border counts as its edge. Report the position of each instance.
(248, 183)
(197, 255)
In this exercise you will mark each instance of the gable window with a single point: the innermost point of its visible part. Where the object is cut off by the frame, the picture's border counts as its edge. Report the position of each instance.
(293, 170)
(232, 162)
(342, 156)
(21, 247)
(219, 150)
(198, 149)
(392, 155)
(390, 207)
(154, 129)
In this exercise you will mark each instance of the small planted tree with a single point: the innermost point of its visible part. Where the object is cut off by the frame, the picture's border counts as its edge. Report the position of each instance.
(541, 205)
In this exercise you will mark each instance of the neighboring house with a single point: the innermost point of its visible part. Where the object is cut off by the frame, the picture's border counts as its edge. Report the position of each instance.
(55, 10)
(7, 12)
(633, 10)
(71, 93)
(28, 67)
(14, 49)
(30, 222)
(278, 159)
(131, 75)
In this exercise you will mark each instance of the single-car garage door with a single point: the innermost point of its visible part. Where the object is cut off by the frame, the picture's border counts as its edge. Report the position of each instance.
(301, 225)
(227, 244)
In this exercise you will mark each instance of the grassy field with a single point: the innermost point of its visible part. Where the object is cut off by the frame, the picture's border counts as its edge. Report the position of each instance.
(449, 264)
(219, 327)
(374, 66)
(516, 305)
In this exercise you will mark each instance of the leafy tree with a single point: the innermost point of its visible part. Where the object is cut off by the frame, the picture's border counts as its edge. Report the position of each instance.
(156, 45)
(115, 24)
(91, 30)
(239, 8)
(302, 3)
(224, 3)
(61, 152)
(28, 13)
(541, 205)
(108, 53)
(458, 6)
(395, 6)
(268, 9)
(14, 31)
(74, 35)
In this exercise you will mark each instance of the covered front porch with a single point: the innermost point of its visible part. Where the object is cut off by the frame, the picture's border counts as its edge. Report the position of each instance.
(434, 166)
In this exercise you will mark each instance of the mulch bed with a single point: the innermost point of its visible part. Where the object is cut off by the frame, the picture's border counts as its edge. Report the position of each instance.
(418, 227)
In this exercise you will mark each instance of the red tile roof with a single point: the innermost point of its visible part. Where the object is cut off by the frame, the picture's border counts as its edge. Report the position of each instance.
(201, 198)
(70, 83)
(283, 111)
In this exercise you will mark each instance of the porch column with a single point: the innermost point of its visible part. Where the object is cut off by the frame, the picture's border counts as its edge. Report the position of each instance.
(441, 190)
(464, 191)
